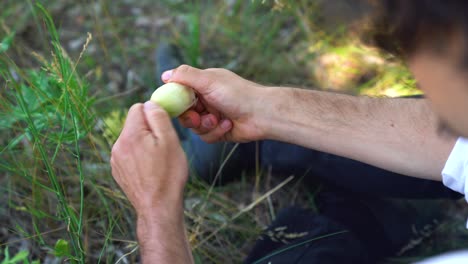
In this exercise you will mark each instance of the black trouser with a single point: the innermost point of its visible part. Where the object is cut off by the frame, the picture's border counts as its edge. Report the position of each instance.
(360, 199)
(287, 159)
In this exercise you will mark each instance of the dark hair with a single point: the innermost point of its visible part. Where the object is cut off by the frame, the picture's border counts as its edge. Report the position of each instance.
(399, 26)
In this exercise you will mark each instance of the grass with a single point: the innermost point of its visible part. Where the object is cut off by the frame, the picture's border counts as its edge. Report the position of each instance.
(65, 94)
(52, 105)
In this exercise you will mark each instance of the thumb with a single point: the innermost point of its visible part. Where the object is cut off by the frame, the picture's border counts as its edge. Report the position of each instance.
(135, 122)
(159, 122)
(199, 80)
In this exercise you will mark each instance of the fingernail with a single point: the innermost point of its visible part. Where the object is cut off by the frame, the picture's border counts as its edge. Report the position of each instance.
(149, 105)
(206, 122)
(166, 75)
(225, 124)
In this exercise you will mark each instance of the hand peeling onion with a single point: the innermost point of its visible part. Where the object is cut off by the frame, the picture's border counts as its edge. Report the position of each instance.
(174, 98)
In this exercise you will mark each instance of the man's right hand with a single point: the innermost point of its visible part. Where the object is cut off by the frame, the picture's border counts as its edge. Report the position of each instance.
(228, 105)
(378, 131)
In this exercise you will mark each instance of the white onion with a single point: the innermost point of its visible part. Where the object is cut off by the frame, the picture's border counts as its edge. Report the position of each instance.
(175, 98)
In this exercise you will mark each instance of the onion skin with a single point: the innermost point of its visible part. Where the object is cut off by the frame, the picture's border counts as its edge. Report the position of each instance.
(174, 98)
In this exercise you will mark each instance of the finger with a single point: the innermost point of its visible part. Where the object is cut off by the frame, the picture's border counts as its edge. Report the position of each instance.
(159, 122)
(210, 109)
(135, 121)
(202, 107)
(208, 123)
(190, 119)
(197, 79)
(199, 107)
(218, 132)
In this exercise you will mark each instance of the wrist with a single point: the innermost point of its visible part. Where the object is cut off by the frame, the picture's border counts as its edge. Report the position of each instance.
(164, 208)
(267, 110)
(157, 219)
(162, 199)
(161, 235)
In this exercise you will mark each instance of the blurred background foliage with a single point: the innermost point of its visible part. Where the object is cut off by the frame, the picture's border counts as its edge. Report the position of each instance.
(71, 69)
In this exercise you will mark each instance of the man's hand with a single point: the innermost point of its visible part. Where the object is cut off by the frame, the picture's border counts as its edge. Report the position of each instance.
(151, 168)
(147, 160)
(227, 105)
(394, 134)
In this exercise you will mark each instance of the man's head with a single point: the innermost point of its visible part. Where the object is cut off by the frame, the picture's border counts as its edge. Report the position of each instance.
(432, 36)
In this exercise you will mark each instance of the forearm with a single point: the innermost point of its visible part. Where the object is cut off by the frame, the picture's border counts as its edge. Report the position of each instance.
(399, 135)
(161, 235)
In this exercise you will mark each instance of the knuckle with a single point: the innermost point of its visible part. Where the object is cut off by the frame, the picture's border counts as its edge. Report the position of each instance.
(219, 71)
(113, 162)
(214, 69)
(223, 71)
(135, 107)
(115, 152)
(121, 147)
(159, 115)
(183, 69)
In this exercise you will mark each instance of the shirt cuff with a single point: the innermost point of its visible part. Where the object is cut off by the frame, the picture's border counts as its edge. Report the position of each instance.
(455, 172)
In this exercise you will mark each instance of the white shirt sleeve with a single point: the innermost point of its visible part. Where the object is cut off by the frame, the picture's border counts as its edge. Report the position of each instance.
(455, 177)
(458, 257)
(455, 172)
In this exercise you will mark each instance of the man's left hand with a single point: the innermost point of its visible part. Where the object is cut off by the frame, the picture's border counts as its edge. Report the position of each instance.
(147, 160)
